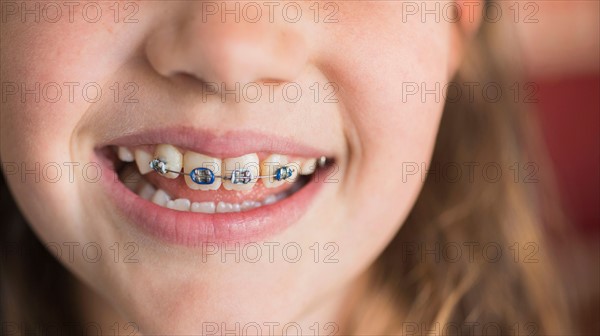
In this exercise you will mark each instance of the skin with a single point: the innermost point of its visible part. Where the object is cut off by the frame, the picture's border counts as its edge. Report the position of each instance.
(368, 53)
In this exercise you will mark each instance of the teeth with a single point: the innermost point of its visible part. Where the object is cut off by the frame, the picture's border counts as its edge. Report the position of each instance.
(247, 205)
(172, 157)
(204, 207)
(161, 198)
(193, 160)
(142, 160)
(146, 191)
(125, 154)
(296, 167)
(308, 167)
(181, 204)
(247, 162)
(270, 200)
(269, 166)
(226, 168)
(226, 172)
(231, 170)
(223, 207)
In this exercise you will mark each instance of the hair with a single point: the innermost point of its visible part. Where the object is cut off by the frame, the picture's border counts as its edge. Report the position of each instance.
(403, 290)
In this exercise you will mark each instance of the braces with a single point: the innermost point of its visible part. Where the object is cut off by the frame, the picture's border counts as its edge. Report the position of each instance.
(205, 176)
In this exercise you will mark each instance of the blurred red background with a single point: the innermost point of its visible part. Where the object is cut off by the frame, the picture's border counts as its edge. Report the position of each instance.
(569, 113)
(561, 52)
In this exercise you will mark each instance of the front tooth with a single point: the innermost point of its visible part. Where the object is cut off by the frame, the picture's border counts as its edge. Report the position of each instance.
(142, 160)
(247, 162)
(181, 204)
(125, 154)
(161, 197)
(223, 207)
(172, 157)
(246, 205)
(308, 167)
(193, 160)
(204, 207)
(269, 166)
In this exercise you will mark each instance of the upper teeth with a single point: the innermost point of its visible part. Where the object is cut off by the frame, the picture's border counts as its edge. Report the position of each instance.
(141, 159)
(244, 170)
(270, 166)
(195, 160)
(202, 172)
(172, 157)
(125, 154)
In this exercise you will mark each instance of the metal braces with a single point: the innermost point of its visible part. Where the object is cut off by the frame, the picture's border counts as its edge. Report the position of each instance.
(206, 176)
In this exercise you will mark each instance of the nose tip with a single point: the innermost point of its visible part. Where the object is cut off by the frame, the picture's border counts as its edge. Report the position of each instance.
(227, 53)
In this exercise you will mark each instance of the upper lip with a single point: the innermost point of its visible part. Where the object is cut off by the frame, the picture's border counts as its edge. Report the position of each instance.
(230, 144)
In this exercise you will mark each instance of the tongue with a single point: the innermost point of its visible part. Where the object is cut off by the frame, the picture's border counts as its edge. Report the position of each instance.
(177, 188)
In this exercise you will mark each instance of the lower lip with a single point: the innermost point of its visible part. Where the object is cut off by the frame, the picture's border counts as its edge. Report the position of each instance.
(193, 229)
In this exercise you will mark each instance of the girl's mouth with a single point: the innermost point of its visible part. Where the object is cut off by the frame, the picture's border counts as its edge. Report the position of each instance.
(179, 191)
(241, 198)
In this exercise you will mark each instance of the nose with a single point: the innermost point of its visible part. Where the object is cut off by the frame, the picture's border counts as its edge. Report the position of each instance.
(217, 49)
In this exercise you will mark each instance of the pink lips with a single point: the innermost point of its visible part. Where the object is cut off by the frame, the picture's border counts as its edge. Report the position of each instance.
(231, 144)
(192, 229)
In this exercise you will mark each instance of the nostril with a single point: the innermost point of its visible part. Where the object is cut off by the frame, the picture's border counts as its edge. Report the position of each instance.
(185, 80)
(226, 53)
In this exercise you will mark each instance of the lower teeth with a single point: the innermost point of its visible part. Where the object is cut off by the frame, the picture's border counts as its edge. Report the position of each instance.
(136, 183)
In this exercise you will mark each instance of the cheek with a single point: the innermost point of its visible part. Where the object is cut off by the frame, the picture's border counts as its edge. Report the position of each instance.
(36, 148)
(392, 124)
(46, 90)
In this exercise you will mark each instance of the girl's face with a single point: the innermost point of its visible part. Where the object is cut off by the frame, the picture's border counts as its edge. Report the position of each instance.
(344, 80)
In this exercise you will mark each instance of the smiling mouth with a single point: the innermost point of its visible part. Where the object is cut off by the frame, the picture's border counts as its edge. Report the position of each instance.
(254, 183)
(239, 197)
